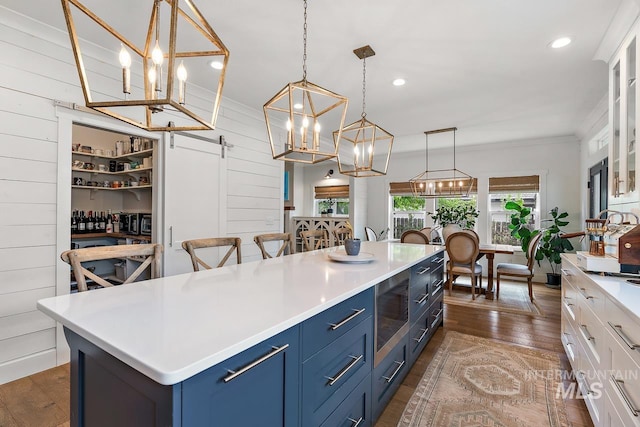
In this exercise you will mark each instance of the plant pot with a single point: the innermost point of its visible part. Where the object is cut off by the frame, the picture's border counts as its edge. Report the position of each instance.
(554, 280)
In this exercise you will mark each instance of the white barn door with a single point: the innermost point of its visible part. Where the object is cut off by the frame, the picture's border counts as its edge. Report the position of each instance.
(194, 196)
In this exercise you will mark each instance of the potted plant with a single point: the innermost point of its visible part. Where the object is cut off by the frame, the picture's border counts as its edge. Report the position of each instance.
(461, 214)
(553, 244)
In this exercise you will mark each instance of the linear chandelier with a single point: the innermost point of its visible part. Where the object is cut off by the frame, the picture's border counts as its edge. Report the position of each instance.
(149, 88)
(441, 182)
(363, 139)
(300, 118)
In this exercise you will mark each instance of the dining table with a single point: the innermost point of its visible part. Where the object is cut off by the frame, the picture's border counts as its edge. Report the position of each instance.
(489, 251)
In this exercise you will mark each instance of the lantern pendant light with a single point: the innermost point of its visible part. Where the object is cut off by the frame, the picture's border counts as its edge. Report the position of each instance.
(154, 91)
(364, 147)
(445, 183)
(300, 115)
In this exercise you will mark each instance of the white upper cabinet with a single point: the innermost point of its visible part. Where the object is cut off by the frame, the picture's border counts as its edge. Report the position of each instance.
(623, 116)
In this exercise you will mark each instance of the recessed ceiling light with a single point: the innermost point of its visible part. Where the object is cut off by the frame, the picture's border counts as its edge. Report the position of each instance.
(297, 106)
(399, 82)
(216, 65)
(560, 42)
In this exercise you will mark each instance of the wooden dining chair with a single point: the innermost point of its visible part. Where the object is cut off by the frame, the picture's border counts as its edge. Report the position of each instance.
(191, 245)
(314, 239)
(414, 236)
(520, 270)
(463, 249)
(285, 238)
(341, 234)
(371, 234)
(149, 255)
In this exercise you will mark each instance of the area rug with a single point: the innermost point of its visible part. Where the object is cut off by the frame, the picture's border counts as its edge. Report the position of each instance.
(473, 381)
(514, 298)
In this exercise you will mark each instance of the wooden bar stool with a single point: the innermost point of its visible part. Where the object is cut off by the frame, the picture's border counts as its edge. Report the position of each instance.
(149, 257)
(314, 239)
(341, 234)
(285, 238)
(191, 245)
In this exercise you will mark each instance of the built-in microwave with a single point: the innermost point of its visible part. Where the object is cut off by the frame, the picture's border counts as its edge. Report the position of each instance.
(145, 224)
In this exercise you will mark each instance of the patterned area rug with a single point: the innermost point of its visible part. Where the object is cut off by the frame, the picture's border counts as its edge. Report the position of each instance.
(514, 298)
(478, 382)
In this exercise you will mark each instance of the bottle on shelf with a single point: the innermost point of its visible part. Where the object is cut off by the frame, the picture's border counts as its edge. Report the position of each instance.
(90, 228)
(74, 222)
(109, 223)
(102, 224)
(82, 223)
(116, 223)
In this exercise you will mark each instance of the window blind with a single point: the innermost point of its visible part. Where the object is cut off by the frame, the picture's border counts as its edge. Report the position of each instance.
(332, 192)
(515, 184)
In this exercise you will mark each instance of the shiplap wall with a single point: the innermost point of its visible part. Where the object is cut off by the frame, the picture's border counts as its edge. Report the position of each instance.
(36, 68)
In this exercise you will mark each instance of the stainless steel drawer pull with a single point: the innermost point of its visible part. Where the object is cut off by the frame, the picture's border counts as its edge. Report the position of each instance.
(422, 299)
(565, 272)
(586, 383)
(356, 359)
(623, 337)
(235, 374)
(400, 365)
(357, 422)
(423, 270)
(424, 333)
(584, 293)
(586, 333)
(439, 260)
(335, 326)
(437, 286)
(620, 386)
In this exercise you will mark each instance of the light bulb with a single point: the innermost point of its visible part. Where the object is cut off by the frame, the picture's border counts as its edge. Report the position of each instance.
(450, 184)
(181, 73)
(305, 122)
(289, 124)
(316, 127)
(460, 184)
(370, 149)
(355, 150)
(440, 184)
(152, 75)
(125, 58)
(156, 54)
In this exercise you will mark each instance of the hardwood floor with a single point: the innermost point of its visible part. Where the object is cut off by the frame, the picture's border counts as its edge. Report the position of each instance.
(536, 332)
(42, 400)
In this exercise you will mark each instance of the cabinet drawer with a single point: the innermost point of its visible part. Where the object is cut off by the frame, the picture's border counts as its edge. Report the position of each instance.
(334, 322)
(355, 410)
(623, 384)
(589, 295)
(437, 261)
(387, 377)
(569, 295)
(617, 415)
(419, 300)
(267, 381)
(624, 329)
(331, 375)
(569, 340)
(419, 336)
(436, 314)
(420, 274)
(591, 385)
(592, 336)
(437, 283)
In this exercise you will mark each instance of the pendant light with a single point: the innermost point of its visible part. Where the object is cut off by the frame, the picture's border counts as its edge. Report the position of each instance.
(154, 82)
(438, 183)
(364, 147)
(301, 114)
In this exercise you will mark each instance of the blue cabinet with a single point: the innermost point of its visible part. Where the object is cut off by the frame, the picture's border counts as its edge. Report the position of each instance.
(355, 410)
(387, 377)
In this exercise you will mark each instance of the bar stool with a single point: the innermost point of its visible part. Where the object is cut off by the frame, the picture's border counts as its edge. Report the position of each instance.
(314, 239)
(191, 245)
(149, 257)
(341, 234)
(285, 238)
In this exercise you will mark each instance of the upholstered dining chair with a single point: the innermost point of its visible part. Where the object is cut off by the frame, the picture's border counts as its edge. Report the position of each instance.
(214, 242)
(520, 270)
(314, 239)
(427, 232)
(341, 234)
(371, 235)
(414, 236)
(463, 249)
(285, 238)
(148, 254)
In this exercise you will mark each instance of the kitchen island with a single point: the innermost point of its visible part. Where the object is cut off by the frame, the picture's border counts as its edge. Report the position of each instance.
(179, 350)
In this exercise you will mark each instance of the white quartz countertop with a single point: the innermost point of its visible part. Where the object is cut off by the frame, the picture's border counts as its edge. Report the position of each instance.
(625, 294)
(175, 327)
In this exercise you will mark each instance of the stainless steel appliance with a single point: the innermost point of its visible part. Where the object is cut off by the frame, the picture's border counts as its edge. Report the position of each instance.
(391, 313)
(145, 224)
(130, 223)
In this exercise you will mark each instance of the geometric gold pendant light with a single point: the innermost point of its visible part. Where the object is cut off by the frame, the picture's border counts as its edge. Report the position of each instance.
(153, 48)
(364, 147)
(301, 116)
(436, 183)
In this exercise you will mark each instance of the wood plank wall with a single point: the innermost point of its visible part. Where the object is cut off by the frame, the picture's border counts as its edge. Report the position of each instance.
(37, 68)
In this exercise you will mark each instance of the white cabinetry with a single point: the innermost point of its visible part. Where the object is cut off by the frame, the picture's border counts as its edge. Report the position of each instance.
(601, 336)
(623, 116)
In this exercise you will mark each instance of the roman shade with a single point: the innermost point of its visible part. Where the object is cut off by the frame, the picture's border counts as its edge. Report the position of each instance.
(332, 192)
(515, 184)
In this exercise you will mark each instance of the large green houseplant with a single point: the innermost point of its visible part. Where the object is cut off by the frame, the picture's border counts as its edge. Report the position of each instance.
(462, 214)
(552, 242)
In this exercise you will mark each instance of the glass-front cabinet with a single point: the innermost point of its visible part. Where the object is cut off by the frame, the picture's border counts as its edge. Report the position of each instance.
(623, 111)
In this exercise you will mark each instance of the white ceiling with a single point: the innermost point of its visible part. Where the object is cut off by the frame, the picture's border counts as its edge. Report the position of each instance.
(483, 66)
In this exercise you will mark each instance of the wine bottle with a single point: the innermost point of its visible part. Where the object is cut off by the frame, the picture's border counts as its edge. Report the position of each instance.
(102, 225)
(82, 223)
(74, 222)
(109, 224)
(116, 223)
(90, 223)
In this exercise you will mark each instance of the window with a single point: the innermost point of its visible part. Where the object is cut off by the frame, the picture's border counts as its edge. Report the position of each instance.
(332, 199)
(525, 189)
(408, 214)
